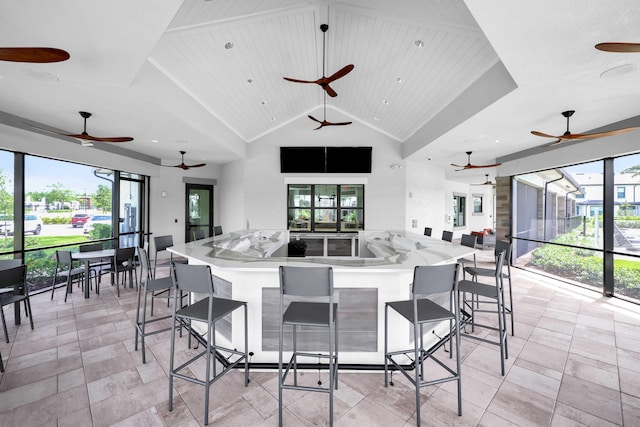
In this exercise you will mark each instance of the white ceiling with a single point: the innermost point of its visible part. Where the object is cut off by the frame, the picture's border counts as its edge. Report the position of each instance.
(490, 71)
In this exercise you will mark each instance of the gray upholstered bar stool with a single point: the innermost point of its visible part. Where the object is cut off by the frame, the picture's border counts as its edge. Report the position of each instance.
(197, 279)
(148, 288)
(424, 308)
(304, 287)
(493, 292)
(475, 272)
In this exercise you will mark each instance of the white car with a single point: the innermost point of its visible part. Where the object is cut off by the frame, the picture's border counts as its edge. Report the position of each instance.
(32, 224)
(96, 219)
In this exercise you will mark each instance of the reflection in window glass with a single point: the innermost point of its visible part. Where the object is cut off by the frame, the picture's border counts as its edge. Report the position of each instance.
(6, 202)
(626, 267)
(130, 220)
(459, 211)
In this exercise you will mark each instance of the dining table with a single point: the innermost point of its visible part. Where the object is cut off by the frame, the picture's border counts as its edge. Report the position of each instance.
(86, 258)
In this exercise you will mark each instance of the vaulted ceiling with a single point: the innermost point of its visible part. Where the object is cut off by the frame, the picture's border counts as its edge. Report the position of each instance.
(440, 77)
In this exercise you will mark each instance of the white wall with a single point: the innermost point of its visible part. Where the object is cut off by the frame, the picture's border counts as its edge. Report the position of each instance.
(264, 192)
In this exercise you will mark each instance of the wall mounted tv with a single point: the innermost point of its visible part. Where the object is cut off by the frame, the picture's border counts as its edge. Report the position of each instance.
(325, 159)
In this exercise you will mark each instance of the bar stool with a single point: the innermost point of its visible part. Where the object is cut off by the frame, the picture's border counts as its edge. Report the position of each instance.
(148, 287)
(304, 284)
(490, 272)
(197, 279)
(493, 292)
(420, 310)
(468, 240)
(162, 243)
(447, 235)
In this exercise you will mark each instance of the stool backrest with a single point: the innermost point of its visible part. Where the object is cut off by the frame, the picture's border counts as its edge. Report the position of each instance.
(306, 281)
(468, 240)
(502, 246)
(145, 264)
(447, 235)
(434, 279)
(196, 278)
(163, 242)
(427, 231)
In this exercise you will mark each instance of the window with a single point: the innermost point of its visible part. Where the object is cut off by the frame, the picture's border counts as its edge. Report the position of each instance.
(459, 210)
(477, 203)
(325, 208)
(621, 192)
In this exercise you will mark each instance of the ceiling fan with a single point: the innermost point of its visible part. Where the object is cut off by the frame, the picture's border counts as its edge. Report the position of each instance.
(324, 121)
(39, 55)
(487, 181)
(324, 81)
(470, 166)
(568, 136)
(621, 47)
(84, 136)
(184, 166)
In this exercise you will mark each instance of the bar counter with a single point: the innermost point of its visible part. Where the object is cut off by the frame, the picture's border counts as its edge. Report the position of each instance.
(382, 272)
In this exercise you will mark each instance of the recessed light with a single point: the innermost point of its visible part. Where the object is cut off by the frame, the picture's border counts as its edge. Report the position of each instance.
(229, 45)
(419, 43)
(376, 118)
(154, 140)
(249, 81)
(273, 119)
(398, 80)
(385, 102)
(263, 103)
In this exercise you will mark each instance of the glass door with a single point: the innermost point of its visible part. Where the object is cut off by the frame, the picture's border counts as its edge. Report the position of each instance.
(199, 210)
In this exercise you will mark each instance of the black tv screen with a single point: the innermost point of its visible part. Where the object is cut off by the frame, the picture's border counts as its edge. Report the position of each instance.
(349, 159)
(302, 159)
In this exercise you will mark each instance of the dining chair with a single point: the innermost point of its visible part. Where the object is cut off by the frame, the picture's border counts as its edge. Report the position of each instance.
(65, 269)
(123, 262)
(14, 289)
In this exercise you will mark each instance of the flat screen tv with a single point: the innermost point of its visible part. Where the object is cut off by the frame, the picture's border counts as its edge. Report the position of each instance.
(302, 159)
(349, 159)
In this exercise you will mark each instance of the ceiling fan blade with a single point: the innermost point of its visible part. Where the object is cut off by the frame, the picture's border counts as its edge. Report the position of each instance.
(199, 165)
(332, 93)
(300, 81)
(88, 137)
(482, 166)
(458, 166)
(619, 47)
(600, 134)
(314, 119)
(340, 73)
(338, 123)
(38, 55)
(544, 135)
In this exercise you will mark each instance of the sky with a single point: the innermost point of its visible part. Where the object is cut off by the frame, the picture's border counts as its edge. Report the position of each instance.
(619, 165)
(42, 172)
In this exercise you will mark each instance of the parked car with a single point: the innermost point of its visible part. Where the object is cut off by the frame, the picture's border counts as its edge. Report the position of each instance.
(79, 220)
(32, 224)
(96, 219)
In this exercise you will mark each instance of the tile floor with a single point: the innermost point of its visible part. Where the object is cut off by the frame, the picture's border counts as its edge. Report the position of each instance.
(574, 360)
